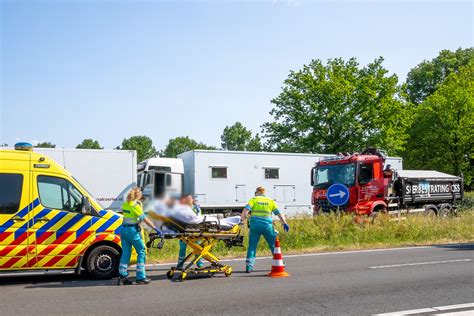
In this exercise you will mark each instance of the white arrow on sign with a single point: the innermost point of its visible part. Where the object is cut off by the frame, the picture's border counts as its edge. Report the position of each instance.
(340, 194)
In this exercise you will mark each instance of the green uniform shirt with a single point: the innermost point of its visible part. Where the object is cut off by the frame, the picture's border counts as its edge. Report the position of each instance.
(132, 212)
(262, 206)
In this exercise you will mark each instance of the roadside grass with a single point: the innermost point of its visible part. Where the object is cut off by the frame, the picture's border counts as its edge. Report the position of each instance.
(345, 232)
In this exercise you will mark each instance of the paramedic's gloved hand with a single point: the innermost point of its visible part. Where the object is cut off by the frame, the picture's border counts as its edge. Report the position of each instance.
(286, 227)
(158, 232)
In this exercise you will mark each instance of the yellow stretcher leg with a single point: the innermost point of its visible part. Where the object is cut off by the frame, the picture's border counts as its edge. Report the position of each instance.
(201, 248)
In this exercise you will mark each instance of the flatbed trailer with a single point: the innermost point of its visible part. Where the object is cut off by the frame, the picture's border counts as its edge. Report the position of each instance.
(425, 191)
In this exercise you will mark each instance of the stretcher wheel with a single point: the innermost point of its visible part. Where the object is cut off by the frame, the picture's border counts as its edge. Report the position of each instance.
(182, 277)
(228, 272)
(170, 274)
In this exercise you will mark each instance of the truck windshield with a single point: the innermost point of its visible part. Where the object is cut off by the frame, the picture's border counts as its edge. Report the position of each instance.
(330, 174)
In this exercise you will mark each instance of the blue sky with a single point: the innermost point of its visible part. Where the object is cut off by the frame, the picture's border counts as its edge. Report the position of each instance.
(112, 69)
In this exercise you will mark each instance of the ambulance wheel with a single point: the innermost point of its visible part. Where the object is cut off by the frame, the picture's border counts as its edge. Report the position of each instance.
(170, 274)
(102, 262)
(228, 272)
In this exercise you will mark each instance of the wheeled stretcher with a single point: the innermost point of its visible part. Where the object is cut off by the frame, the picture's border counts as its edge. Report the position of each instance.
(200, 238)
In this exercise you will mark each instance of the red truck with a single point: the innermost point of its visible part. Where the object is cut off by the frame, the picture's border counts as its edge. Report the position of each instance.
(375, 187)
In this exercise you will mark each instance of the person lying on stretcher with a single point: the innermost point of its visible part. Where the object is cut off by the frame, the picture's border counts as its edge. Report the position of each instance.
(177, 216)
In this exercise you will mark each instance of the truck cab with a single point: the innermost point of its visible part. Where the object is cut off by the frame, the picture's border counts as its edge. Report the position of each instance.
(375, 185)
(363, 175)
(159, 176)
(49, 222)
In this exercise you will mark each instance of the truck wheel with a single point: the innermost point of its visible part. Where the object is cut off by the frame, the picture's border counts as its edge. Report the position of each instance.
(102, 262)
(374, 217)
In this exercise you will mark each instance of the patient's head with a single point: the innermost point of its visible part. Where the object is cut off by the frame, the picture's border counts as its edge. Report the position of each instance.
(186, 199)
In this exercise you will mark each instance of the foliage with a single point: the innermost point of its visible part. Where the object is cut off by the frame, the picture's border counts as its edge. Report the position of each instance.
(338, 107)
(467, 204)
(180, 145)
(45, 145)
(89, 143)
(331, 232)
(142, 144)
(427, 77)
(442, 136)
(238, 137)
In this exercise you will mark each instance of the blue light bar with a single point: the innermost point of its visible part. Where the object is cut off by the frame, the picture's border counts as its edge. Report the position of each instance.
(23, 146)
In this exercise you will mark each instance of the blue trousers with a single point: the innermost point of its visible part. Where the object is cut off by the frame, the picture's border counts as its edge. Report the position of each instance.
(258, 229)
(182, 255)
(130, 237)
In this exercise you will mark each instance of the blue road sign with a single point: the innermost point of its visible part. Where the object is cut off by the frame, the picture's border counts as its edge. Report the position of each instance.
(337, 194)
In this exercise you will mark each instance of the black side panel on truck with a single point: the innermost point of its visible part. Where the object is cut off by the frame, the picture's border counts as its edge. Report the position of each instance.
(424, 186)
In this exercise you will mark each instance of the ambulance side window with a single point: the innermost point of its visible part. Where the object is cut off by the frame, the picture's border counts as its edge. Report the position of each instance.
(59, 194)
(10, 192)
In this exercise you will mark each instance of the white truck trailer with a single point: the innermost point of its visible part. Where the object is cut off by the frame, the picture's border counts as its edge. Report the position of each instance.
(107, 174)
(223, 181)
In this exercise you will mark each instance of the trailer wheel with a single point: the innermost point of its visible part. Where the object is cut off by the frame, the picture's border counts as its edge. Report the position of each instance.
(102, 262)
(430, 212)
(445, 210)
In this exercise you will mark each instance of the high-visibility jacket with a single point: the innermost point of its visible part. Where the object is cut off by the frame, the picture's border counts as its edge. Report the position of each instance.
(262, 206)
(132, 212)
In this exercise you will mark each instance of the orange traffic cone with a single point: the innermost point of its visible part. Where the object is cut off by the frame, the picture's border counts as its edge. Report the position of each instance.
(278, 268)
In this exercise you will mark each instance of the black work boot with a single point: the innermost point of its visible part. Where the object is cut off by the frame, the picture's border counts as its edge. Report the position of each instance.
(144, 281)
(124, 281)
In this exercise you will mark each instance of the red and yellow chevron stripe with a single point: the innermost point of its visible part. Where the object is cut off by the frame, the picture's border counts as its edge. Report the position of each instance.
(55, 243)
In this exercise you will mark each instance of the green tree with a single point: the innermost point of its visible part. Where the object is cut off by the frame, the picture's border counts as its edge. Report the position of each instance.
(89, 143)
(4, 145)
(424, 79)
(45, 145)
(142, 144)
(337, 107)
(179, 145)
(442, 136)
(238, 137)
(255, 144)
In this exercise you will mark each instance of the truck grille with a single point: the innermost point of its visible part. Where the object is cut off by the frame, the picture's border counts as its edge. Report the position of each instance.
(327, 207)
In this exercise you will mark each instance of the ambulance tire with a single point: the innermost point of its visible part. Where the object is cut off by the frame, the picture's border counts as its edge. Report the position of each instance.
(102, 262)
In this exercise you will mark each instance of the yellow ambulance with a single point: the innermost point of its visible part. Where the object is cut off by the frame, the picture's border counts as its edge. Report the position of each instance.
(49, 222)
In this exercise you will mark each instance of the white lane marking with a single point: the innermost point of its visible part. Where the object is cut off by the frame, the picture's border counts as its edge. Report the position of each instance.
(462, 313)
(409, 312)
(419, 263)
(434, 309)
(458, 306)
(318, 254)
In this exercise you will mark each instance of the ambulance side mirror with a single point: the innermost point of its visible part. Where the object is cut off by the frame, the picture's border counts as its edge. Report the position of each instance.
(312, 176)
(86, 206)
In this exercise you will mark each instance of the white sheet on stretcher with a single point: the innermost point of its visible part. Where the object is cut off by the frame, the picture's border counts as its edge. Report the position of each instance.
(184, 214)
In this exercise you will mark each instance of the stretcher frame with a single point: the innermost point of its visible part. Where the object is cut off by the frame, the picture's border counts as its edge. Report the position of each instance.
(201, 239)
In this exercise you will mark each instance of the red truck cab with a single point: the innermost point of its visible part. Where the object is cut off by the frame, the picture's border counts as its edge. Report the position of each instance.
(364, 176)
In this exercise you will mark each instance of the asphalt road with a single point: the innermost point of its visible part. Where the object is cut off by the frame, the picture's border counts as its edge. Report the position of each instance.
(351, 283)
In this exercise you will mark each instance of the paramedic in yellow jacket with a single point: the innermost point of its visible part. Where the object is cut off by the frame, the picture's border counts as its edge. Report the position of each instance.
(261, 223)
(131, 237)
